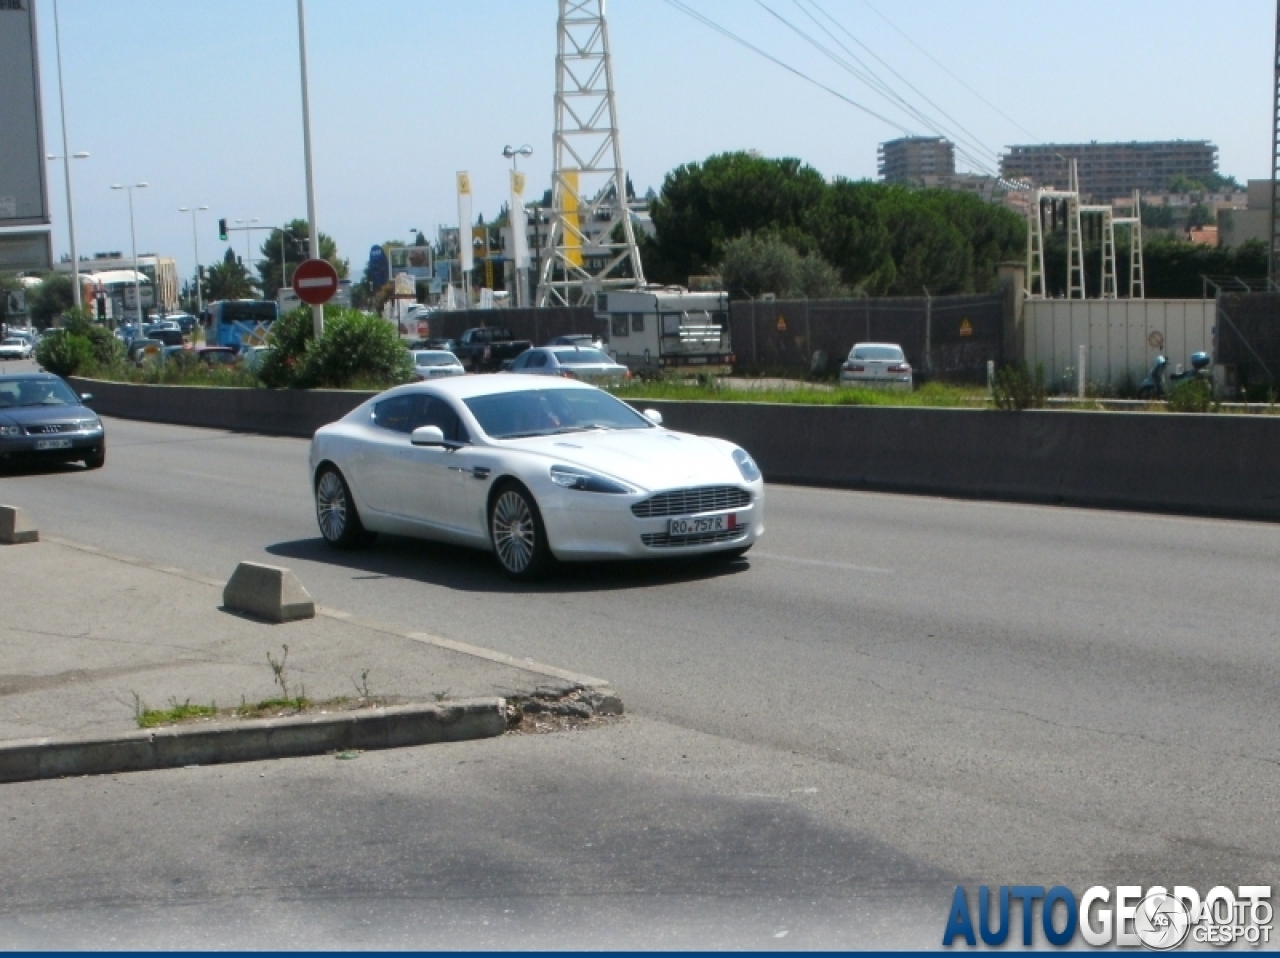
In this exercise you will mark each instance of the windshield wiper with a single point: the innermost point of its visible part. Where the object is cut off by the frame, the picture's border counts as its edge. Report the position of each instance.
(588, 427)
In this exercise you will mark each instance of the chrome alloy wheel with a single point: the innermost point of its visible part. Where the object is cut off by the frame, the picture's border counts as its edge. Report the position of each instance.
(331, 506)
(514, 533)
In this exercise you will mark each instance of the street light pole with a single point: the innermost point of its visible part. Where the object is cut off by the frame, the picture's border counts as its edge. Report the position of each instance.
(519, 242)
(313, 228)
(66, 164)
(195, 243)
(133, 239)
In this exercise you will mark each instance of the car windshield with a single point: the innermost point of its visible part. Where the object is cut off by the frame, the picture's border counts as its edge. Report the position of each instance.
(434, 359)
(36, 392)
(572, 357)
(892, 353)
(549, 412)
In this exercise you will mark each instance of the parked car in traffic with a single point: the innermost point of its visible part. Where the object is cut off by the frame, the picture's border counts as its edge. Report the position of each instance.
(15, 347)
(534, 470)
(585, 340)
(435, 363)
(141, 350)
(215, 356)
(43, 419)
(882, 365)
(571, 362)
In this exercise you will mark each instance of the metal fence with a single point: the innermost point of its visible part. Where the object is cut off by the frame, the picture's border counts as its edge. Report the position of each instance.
(1248, 339)
(532, 323)
(945, 337)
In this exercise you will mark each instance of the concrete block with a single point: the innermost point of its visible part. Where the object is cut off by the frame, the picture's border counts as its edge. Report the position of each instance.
(271, 592)
(16, 526)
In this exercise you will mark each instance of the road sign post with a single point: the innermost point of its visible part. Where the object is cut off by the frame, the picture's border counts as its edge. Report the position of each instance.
(315, 281)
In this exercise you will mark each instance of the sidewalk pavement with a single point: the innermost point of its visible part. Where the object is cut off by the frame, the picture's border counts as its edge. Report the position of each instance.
(88, 637)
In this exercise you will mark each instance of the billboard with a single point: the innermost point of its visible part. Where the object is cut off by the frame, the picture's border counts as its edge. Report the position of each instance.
(25, 250)
(23, 196)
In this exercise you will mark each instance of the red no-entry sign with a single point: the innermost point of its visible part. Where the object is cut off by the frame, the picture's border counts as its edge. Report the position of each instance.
(315, 281)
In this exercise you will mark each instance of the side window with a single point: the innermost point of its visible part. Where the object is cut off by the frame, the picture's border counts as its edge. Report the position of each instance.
(395, 413)
(670, 324)
(433, 411)
(520, 361)
(619, 323)
(537, 360)
(637, 322)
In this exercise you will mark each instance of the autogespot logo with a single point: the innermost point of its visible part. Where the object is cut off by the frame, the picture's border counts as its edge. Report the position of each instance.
(1127, 916)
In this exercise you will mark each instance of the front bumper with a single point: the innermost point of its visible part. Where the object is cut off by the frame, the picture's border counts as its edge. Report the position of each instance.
(584, 525)
(27, 448)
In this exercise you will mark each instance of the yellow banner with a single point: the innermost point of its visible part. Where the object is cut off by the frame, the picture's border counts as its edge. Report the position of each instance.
(572, 240)
(464, 184)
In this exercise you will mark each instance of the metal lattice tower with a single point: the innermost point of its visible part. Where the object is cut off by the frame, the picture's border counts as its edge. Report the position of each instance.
(1137, 287)
(589, 182)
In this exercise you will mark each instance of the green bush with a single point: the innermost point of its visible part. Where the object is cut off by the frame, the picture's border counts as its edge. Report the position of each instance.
(79, 347)
(357, 350)
(1193, 395)
(1016, 387)
(64, 353)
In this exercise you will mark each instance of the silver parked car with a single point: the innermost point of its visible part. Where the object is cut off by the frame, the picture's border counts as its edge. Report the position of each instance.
(877, 364)
(572, 362)
(434, 363)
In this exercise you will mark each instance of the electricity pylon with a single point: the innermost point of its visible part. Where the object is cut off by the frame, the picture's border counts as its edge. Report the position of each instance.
(591, 246)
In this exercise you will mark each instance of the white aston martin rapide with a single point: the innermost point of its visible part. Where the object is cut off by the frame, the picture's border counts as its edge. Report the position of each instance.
(534, 470)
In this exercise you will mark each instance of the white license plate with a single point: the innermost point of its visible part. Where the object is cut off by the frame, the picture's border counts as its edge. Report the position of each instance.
(53, 444)
(697, 526)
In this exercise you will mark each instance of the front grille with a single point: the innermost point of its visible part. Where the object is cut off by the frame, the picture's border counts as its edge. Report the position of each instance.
(689, 502)
(48, 429)
(660, 540)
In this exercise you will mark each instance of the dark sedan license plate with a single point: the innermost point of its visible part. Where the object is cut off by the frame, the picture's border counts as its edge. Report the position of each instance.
(697, 526)
(53, 444)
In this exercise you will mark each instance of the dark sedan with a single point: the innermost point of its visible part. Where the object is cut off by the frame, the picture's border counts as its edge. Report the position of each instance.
(43, 419)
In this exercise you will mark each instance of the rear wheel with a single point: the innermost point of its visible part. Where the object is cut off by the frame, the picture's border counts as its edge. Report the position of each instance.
(518, 535)
(336, 512)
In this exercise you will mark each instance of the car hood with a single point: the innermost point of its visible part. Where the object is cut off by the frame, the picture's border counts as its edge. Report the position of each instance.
(649, 458)
(26, 415)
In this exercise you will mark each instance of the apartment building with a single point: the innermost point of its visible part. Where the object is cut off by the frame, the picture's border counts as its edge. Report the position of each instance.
(1109, 171)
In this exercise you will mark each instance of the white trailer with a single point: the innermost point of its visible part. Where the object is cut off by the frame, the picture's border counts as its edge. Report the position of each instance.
(667, 329)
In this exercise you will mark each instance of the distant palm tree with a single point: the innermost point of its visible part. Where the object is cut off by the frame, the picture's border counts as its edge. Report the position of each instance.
(228, 280)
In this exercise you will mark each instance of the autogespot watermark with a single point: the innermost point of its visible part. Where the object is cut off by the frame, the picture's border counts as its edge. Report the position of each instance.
(1126, 916)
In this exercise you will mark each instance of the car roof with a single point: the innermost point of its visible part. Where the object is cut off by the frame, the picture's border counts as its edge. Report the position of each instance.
(468, 387)
(890, 345)
(17, 377)
(435, 352)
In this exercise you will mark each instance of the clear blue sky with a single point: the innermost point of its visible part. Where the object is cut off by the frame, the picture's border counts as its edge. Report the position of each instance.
(201, 98)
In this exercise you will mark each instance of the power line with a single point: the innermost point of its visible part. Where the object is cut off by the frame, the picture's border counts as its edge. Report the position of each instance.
(972, 138)
(876, 83)
(683, 8)
(949, 73)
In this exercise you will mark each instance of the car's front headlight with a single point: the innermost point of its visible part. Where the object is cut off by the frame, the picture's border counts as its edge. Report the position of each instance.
(10, 431)
(89, 425)
(585, 481)
(746, 465)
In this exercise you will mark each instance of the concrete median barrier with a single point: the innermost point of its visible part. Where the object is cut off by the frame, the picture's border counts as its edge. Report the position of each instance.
(268, 591)
(254, 740)
(16, 526)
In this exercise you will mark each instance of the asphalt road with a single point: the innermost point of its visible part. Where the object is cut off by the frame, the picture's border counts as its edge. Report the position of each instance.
(892, 695)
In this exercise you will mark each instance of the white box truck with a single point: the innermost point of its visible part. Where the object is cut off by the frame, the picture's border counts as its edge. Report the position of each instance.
(667, 330)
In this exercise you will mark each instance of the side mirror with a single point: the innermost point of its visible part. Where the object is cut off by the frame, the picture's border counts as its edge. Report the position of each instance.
(427, 436)
(653, 416)
(86, 399)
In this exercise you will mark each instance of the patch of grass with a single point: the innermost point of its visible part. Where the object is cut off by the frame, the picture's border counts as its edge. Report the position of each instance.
(176, 712)
(930, 394)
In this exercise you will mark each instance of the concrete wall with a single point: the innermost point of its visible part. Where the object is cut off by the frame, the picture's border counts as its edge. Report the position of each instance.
(1118, 334)
(1205, 465)
(277, 412)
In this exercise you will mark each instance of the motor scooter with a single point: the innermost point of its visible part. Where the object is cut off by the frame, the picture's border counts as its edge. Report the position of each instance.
(1153, 386)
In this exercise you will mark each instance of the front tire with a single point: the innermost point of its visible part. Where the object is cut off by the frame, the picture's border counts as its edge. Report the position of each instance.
(98, 461)
(336, 511)
(518, 535)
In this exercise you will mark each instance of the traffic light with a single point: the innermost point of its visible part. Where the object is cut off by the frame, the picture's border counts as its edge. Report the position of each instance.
(222, 229)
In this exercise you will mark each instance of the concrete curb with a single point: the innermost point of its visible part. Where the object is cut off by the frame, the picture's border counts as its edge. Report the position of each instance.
(16, 526)
(253, 740)
(271, 592)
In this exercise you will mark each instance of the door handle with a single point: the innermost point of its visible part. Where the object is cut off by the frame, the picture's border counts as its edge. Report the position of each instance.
(480, 472)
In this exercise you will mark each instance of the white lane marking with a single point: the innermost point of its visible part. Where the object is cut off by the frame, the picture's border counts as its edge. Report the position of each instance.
(843, 566)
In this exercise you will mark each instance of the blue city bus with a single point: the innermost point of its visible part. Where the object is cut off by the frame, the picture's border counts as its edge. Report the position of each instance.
(239, 322)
